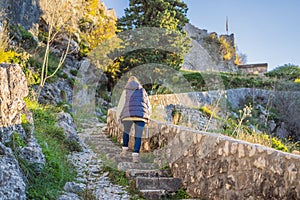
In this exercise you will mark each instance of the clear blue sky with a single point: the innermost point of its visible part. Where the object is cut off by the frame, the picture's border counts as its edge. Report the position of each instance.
(265, 30)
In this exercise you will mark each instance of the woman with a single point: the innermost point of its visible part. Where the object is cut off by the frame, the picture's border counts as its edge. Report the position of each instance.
(135, 109)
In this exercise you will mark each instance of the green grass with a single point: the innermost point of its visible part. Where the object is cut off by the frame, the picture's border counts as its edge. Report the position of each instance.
(48, 183)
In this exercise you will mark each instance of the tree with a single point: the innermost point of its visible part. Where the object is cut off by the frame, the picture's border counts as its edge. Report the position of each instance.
(96, 25)
(57, 18)
(87, 20)
(169, 15)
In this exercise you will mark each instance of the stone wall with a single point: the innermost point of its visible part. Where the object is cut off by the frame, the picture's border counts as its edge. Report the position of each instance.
(235, 97)
(213, 166)
(259, 69)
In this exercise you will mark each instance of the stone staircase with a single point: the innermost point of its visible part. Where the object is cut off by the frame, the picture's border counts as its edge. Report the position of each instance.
(152, 182)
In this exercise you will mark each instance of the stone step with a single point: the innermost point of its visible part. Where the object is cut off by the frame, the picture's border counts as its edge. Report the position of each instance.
(89, 138)
(95, 137)
(153, 194)
(133, 173)
(158, 183)
(123, 166)
(107, 150)
(100, 143)
(118, 159)
(94, 134)
(96, 142)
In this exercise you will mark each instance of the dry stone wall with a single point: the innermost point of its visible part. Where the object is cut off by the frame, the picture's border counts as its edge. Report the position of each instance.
(235, 97)
(213, 166)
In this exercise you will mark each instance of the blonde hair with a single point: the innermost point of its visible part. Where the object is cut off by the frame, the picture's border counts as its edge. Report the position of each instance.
(133, 78)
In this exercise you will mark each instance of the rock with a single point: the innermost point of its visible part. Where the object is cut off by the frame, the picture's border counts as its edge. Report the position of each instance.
(272, 125)
(7, 132)
(89, 169)
(72, 187)
(33, 154)
(12, 185)
(281, 131)
(56, 92)
(99, 112)
(66, 122)
(69, 196)
(296, 152)
(61, 43)
(24, 12)
(14, 88)
(234, 115)
(207, 56)
(262, 109)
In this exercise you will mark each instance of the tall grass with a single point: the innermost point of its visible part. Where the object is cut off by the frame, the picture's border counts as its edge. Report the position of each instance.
(49, 183)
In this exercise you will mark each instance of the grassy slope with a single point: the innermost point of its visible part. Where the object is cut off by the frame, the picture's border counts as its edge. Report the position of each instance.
(49, 183)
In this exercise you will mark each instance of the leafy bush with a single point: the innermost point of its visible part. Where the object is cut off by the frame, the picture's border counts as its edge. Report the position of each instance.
(5, 54)
(297, 80)
(7, 57)
(277, 144)
(209, 112)
(287, 72)
(16, 141)
(181, 194)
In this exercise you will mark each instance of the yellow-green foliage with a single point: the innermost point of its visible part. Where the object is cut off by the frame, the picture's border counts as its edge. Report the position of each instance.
(238, 128)
(7, 56)
(209, 112)
(297, 80)
(92, 7)
(237, 60)
(277, 144)
(227, 49)
(96, 26)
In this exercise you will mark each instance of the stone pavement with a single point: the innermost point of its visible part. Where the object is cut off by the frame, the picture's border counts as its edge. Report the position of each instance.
(90, 176)
(152, 182)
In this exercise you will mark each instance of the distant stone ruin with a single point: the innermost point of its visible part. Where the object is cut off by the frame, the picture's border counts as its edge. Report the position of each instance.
(208, 52)
(259, 69)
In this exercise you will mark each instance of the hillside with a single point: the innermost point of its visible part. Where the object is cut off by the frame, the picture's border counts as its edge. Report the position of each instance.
(60, 67)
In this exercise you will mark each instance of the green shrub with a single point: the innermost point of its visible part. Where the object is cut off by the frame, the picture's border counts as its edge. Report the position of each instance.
(74, 72)
(181, 194)
(24, 38)
(16, 142)
(277, 144)
(208, 112)
(287, 72)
